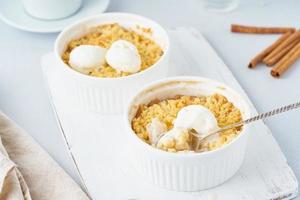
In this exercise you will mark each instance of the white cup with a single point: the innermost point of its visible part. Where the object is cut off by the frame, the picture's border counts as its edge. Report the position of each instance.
(51, 9)
(186, 171)
(108, 95)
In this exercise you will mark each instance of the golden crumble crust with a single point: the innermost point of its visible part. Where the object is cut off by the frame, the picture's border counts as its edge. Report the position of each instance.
(105, 35)
(166, 111)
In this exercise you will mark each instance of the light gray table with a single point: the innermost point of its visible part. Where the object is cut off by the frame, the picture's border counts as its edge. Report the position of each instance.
(23, 95)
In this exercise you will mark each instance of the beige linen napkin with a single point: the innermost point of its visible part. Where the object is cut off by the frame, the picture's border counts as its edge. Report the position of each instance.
(27, 172)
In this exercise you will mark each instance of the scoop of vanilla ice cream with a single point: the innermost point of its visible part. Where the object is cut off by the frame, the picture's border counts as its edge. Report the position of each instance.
(155, 129)
(87, 56)
(196, 117)
(123, 56)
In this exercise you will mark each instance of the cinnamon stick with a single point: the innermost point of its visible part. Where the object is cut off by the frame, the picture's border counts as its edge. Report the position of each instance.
(273, 60)
(236, 28)
(258, 58)
(286, 61)
(275, 55)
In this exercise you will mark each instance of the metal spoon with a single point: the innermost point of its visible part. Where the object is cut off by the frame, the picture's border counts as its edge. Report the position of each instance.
(198, 140)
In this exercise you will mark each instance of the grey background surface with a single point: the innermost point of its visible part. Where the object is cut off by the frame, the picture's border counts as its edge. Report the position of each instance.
(23, 95)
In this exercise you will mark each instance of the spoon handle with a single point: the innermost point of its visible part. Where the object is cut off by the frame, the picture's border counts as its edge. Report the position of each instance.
(247, 121)
(263, 116)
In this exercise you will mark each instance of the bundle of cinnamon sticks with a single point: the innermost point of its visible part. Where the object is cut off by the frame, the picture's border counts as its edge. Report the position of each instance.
(281, 54)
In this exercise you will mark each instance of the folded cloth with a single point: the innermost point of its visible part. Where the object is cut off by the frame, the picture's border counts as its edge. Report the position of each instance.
(12, 184)
(27, 172)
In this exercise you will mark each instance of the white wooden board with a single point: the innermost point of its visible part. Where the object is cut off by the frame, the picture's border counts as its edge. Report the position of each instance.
(99, 146)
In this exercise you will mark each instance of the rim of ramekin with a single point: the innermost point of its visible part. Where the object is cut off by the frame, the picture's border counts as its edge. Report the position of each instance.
(132, 134)
(93, 78)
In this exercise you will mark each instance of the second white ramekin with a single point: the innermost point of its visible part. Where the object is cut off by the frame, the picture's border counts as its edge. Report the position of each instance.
(108, 95)
(186, 171)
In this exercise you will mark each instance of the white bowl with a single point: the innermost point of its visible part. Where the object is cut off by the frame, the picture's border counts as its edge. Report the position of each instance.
(186, 171)
(108, 95)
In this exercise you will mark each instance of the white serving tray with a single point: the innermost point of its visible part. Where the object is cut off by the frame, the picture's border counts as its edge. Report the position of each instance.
(98, 145)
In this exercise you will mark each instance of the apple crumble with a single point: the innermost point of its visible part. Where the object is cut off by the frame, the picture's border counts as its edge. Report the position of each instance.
(104, 36)
(165, 111)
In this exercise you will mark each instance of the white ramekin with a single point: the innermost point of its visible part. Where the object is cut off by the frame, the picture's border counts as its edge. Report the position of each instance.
(186, 171)
(108, 95)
